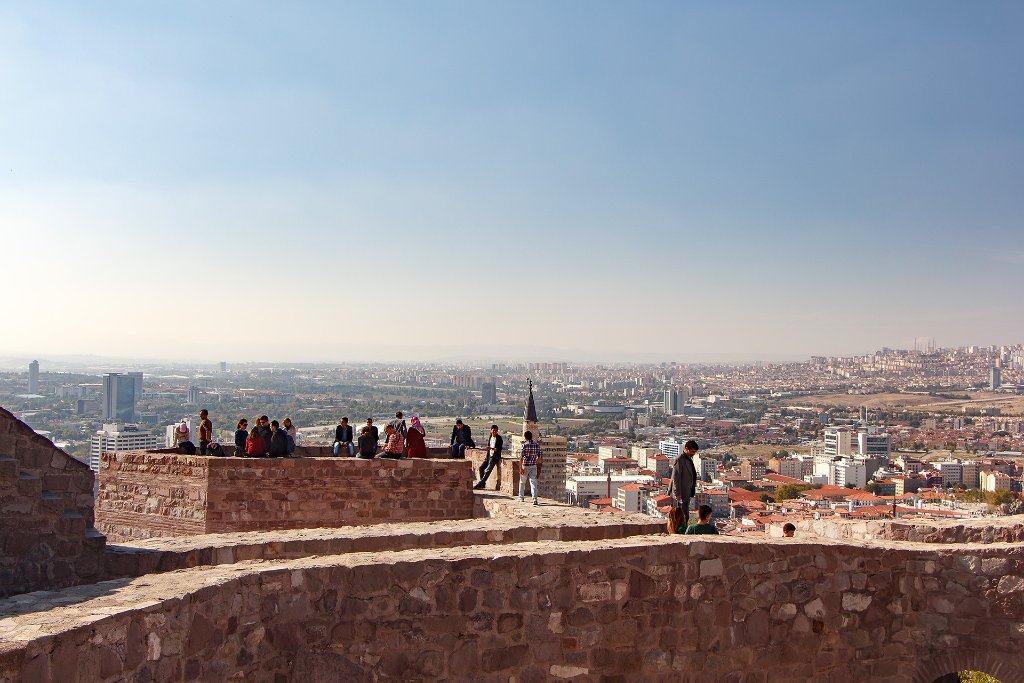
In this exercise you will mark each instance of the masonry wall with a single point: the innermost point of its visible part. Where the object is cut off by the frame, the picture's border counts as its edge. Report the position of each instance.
(47, 539)
(150, 494)
(653, 609)
(504, 478)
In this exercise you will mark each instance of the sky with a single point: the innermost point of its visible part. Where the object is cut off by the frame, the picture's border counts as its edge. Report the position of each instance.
(407, 180)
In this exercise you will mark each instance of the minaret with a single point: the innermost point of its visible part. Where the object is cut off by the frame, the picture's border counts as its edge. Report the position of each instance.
(530, 416)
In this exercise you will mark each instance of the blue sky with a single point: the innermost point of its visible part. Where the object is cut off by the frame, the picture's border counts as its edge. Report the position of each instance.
(602, 178)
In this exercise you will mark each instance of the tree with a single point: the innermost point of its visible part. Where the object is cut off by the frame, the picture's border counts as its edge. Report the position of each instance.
(766, 498)
(976, 677)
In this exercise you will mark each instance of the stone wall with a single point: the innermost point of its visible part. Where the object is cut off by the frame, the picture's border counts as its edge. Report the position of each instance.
(150, 494)
(504, 478)
(47, 539)
(656, 608)
(981, 530)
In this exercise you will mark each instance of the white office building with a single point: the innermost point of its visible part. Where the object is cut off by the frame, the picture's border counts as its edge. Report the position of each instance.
(584, 488)
(119, 437)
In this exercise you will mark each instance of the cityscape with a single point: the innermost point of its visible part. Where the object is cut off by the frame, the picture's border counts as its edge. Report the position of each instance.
(927, 432)
(512, 342)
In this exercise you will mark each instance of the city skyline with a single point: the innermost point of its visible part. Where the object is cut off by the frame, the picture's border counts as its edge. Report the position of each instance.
(679, 181)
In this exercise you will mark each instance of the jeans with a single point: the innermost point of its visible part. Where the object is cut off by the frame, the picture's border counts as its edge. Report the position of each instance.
(458, 450)
(485, 469)
(530, 472)
(351, 448)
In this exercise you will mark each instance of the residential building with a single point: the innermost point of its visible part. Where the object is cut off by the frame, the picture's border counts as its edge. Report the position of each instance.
(630, 497)
(753, 469)
(612, 452)
(849, 472)
(489, 393)
(644, 455)
(992, 480)
(33, 377)
(582, 489)
(787, 467)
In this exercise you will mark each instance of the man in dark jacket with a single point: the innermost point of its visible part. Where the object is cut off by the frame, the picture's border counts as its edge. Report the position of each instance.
(494, 446)
(374, 432)
(684, 479)
(343, 438)
(462, 437)
(263, 429)
(278, 441)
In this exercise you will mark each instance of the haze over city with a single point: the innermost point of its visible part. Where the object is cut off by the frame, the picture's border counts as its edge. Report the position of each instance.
(587, 181)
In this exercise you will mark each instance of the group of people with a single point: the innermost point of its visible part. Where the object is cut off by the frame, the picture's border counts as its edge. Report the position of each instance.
(683, 487)
(400, 440)
(268, 438)
(529, 457)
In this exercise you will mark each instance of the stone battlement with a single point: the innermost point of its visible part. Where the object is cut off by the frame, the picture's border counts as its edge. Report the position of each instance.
(146, 494)
(652, 607)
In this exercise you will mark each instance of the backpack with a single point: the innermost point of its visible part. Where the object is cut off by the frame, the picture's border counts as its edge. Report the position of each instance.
(291, 443)
(215, 449)
(187, 448)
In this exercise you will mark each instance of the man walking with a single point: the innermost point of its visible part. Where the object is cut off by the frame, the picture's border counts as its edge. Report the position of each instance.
(529, 466)
(684, 479)
(494, 447)
(343, 438)
(205, 431)
(462, 437)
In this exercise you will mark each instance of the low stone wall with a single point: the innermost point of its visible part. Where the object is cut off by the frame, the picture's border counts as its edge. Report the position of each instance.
(151, 494)
(659, 608)
(504, 478)
(982, 530)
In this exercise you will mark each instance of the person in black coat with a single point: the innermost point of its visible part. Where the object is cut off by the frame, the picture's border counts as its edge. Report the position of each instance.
(343, 438)
(278, 441)
(494, 445)
(241, 433)
(683, 485)
(462, 438)
(367, 444)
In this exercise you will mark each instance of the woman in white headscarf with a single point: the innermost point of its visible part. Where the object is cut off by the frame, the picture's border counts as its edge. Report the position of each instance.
(415, 447)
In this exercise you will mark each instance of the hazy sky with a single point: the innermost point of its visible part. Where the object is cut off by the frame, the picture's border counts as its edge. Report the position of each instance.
(244, 180)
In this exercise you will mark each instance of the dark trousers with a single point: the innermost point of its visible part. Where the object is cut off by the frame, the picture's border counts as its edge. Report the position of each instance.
(486, 467)
(202, 446)
(458, 450)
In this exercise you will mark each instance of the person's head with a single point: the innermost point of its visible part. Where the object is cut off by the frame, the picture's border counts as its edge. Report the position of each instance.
(788, 530)
(274, 426)
(704, 513)
(458, 423)
(494, 430)
(344, 421)
(528, 435)
(287, 422)
(399, 415)
(264, 420)
(203, 413)
(369, 422)
(691, 447)
(389, 429)
(243, 424)
(675, 518)
(364, 430)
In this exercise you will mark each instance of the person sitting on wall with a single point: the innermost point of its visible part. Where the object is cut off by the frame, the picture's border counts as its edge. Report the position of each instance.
(367, 444)
(256, 445)
(415, 446)
(278, 441)
(393, 446)
(788, 530)
(241, 435)
(343, 440)
(462, 438)
(676, 524)
(704, 524)
(263, 427)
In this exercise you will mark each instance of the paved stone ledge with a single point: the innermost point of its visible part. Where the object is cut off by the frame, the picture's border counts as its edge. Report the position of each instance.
(506, 521)
(980, 530)
(660, 608)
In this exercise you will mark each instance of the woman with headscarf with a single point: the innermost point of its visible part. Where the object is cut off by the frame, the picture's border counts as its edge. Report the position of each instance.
(415, 447)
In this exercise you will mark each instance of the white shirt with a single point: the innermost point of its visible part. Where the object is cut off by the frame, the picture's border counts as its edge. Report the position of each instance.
(494, 442)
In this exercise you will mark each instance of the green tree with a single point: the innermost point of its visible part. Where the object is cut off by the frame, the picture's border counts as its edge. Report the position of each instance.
(976, 677)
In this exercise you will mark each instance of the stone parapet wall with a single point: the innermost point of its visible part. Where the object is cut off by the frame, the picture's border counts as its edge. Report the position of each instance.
(983, 530)
(151, 494)
(655, 608)
(47, 539)
(504, 477)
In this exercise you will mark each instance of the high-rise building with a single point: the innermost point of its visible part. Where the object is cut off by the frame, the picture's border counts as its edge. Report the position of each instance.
(137, 380)
(118, 438)
(118, 397)
(33, 377)
(994, 378)
(223, 366)
(193, 395)
(671, 402)
(489, 392)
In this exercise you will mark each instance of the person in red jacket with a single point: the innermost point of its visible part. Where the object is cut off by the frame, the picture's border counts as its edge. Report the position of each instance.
(415, 447)
(255, 445)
